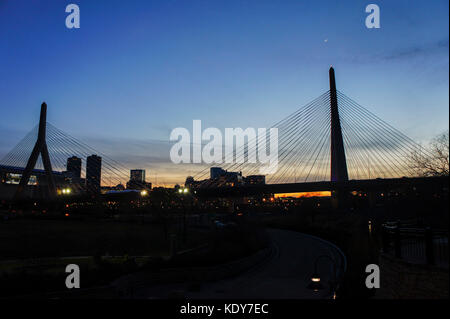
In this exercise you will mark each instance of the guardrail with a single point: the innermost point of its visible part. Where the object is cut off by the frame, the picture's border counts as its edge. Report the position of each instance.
(421, 245)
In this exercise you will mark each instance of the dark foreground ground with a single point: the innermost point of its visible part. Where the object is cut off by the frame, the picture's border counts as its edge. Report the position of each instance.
(284, 275)
(35, 251)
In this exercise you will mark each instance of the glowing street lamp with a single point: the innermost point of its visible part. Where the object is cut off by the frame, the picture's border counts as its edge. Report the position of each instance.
(315, 283)
(66, 191)
(184, 191)
(144, 193)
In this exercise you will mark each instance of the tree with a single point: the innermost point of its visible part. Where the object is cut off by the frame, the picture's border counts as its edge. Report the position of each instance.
(433, 160)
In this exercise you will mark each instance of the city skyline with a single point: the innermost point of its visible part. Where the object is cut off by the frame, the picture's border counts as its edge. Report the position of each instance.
(230, 67)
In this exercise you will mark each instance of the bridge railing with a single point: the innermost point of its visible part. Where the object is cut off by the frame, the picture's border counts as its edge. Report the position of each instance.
(420, 245)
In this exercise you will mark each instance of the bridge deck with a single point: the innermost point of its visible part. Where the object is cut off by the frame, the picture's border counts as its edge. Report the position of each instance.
(352, 185)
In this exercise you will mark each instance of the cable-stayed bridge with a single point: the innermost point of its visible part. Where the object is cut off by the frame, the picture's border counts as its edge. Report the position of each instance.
(331, 144)
(45, 154)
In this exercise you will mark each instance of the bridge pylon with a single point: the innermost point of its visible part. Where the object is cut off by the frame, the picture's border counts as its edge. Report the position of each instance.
(339, 171)
(40, 147)
(338, 161)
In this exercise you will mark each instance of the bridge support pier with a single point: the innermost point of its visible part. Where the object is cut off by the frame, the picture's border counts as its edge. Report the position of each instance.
(372, 198)
(340, 198)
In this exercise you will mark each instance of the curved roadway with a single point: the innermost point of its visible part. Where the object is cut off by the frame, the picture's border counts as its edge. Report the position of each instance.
(285, 275)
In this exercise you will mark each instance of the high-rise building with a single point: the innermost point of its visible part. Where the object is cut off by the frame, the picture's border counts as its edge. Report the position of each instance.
(93, 173)
(74, 167)
(255, 180)
(137, 175)
(137, 180)
(216, 172)
(224, 177)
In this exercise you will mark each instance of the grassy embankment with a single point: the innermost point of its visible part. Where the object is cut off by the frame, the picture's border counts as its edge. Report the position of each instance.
(41, 249)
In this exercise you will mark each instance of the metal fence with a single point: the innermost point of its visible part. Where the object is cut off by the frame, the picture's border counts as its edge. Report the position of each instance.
(420, 245)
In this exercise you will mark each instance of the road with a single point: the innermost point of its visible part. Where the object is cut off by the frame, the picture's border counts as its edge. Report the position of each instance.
(284, 276)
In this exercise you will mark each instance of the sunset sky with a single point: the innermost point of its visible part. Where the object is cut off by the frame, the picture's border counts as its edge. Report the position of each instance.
(135, 70)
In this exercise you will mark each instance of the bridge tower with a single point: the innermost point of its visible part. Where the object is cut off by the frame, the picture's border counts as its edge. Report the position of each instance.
(39, 148)
(339, 171)
(338, 161)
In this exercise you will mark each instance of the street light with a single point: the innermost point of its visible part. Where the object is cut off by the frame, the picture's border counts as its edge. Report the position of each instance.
(65, 191)
(144, 193)
(315, 283)
(184, 191)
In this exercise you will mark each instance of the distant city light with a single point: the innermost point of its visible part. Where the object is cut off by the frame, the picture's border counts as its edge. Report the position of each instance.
(304, 194)
(144, 192)
(66, 191)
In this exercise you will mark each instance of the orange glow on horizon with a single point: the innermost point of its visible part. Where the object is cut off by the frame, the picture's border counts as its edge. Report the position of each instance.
(304, 194)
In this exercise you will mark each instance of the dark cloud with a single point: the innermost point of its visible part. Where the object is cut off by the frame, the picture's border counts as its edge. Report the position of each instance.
(417, 51)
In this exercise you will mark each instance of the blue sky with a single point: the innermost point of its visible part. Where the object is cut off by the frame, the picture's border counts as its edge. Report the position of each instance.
(137, 69)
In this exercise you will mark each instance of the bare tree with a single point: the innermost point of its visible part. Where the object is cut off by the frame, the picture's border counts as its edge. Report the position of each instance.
(434, 159)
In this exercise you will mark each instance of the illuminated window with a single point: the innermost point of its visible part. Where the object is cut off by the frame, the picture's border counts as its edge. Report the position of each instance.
(14, 179)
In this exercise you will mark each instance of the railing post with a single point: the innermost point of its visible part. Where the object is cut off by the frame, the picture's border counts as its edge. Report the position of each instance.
(429, 246)
(397, 241)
